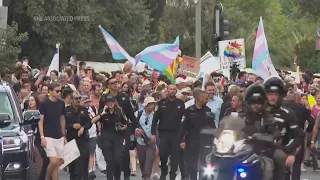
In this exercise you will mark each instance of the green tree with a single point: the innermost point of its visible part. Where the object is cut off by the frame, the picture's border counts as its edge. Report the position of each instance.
(179, 20)
(307, 56)
(243, 16)
(47, 21)
(156, 8)
(310, 6)
(10, 41)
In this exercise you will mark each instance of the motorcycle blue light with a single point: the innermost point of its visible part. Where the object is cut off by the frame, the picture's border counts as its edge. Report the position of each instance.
(240, 170)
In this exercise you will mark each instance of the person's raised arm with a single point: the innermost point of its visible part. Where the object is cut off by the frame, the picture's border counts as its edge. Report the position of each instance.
(102, 103)
(98, 117)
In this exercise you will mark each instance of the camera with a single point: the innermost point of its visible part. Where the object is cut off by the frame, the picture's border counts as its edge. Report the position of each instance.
(118, 126)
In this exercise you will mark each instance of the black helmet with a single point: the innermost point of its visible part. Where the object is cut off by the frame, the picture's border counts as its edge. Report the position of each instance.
(274, 84)
(255, 94)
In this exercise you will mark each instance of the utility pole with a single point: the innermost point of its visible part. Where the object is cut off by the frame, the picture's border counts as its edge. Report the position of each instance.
(3, 15)
(198, 28)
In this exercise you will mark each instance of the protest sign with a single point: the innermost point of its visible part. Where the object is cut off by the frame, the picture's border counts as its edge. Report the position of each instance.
(231, 51)
(70, 153)
(189, 66)
(209, 63)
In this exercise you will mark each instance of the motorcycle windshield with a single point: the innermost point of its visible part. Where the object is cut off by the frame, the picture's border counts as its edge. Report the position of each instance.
(235, 124)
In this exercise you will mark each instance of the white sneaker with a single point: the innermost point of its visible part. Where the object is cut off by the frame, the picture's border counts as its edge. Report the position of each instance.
(155, 176)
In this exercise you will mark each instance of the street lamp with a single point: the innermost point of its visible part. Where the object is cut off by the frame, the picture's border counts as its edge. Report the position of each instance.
(198, 28)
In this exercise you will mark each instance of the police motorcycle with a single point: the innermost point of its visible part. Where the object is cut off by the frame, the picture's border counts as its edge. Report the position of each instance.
(233, 157)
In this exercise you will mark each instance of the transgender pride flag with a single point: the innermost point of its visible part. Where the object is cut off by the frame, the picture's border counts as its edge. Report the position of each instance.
(159, 56)
(261, 62)
(118, 53)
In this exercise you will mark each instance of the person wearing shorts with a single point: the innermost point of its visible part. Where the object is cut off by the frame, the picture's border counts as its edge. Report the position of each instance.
(92, 139)
(52, 128)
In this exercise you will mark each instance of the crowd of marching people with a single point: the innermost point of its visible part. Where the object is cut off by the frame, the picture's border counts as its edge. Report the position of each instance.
(123, 119)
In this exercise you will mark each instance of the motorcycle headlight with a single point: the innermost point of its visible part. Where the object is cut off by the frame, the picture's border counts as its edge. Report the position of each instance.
(209, 170)
(225, 142)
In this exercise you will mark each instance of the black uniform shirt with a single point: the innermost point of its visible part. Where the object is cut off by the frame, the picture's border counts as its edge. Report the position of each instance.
(195, 120)
(303, 114)
(292, 135)
(125, 103)
(73, 116)
(108, 122)
(169, 114)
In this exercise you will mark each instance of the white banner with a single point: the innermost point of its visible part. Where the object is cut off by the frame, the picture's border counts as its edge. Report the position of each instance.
(209, 63)
(231, 51)
(70, 153)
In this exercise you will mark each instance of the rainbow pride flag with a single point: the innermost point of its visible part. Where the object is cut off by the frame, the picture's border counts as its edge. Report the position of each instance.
(171, 70)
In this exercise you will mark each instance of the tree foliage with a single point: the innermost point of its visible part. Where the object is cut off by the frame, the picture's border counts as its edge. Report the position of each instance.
(74, 24)
(310, 6)
(137, 24)
(10, 41)
(281, 19)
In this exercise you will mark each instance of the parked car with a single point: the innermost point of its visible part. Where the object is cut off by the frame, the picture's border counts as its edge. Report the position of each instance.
(17, 137)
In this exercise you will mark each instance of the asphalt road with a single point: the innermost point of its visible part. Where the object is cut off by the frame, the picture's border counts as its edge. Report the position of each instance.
(309, 175)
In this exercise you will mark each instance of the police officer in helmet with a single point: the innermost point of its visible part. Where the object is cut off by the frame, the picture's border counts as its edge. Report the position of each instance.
(256, 99)
(290, 136)
(257, 121)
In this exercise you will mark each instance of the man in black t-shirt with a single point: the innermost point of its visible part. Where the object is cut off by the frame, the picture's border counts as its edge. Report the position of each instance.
(52, 127)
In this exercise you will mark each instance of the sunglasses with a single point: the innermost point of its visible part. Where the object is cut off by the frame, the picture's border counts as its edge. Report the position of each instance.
(77, 98)
(58, 91)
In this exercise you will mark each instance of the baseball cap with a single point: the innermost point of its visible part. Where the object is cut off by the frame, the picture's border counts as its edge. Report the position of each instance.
(146, 82)
(180, 80)
(148, 100)
(85, 99)
(189, 80)
(185, 90)
(110, 98)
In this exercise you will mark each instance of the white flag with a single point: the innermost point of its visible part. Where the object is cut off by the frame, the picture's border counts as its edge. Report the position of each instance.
(55, 61)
